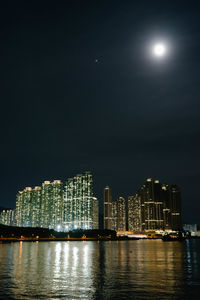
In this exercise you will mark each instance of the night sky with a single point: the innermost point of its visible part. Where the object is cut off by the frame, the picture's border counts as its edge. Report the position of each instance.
(81, 91)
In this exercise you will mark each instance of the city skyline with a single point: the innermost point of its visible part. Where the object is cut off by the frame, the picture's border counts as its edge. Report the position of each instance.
(107, 192)
(71, 205)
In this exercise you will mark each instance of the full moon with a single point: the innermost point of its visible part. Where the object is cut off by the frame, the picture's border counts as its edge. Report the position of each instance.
(159, 50)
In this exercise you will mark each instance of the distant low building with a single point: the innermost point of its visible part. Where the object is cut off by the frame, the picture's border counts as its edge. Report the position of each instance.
(192, 228)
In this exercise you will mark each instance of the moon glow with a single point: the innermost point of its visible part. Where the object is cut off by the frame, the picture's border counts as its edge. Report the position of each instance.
(159, 50)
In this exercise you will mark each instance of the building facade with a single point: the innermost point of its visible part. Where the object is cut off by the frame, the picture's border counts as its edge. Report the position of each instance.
(135, 222)
(119, 214)
(153, 205)
(80, 207)
(36, 206)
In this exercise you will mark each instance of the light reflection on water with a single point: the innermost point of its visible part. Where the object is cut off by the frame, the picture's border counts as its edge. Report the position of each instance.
(107, 270)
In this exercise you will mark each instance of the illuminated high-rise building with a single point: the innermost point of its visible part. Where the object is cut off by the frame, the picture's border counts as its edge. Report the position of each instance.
(46, 205)
(145, 208)
(56, 205)
(155, 206)
(28, 204)
(107, 208)
(119, 214)
(7, 217)
(135, 213)
(80, 207)
(95, 213)
(114, 216)
(18, 210)
(52, 204)
(175, 207)
(36, 206)
(166, 207)
(26, 213)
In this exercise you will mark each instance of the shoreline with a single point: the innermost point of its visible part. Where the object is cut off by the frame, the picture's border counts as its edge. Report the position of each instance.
(10, 240)
(34, 240)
